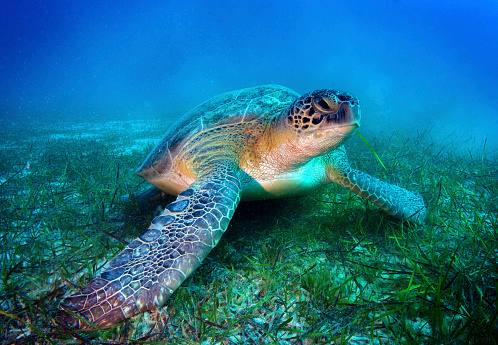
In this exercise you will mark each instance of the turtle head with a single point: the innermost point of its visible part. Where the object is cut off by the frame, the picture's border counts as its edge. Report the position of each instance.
(320, 121)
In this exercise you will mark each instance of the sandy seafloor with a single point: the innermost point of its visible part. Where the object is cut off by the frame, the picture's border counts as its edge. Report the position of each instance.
(60, 190)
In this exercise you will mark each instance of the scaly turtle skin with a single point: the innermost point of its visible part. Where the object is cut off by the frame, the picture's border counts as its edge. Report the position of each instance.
(256, 143)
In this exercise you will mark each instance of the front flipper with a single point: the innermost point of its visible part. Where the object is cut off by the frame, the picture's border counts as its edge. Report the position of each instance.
(151, 267)
(392, 199)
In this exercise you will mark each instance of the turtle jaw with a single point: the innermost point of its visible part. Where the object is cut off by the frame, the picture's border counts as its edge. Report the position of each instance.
(330, 138)
(340, 124)
(342, 131)
(344, 120)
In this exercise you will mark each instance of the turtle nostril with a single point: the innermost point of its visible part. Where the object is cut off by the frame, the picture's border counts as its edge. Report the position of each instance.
(343, 97)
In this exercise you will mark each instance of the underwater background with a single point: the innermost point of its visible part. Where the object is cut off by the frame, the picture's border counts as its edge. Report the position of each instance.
(87, 88)
(413, 64)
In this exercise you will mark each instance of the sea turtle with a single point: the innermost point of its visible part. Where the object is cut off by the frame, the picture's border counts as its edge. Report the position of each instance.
(256, 143)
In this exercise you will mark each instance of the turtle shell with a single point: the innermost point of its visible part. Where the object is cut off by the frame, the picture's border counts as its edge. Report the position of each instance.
(239, 106)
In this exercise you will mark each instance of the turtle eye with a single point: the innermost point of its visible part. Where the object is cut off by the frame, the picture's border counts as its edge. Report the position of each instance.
(321, 104)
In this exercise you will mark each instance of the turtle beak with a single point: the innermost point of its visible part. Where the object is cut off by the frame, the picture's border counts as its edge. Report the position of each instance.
(347, 113)
(345, 120)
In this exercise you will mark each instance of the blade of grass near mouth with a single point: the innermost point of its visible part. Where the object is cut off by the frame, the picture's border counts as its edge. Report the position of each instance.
(371, 149)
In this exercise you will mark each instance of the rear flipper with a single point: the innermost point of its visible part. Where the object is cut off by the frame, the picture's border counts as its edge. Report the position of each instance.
(392, 199)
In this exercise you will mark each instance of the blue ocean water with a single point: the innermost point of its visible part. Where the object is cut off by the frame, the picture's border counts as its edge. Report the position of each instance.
(414, 64)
